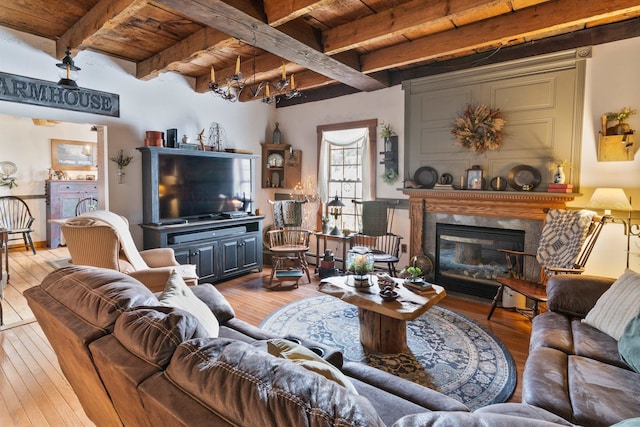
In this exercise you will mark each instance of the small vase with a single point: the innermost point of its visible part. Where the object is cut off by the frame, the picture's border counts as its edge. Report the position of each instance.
(325, 228)
(622, 128)
(559, 177)
(120, 176)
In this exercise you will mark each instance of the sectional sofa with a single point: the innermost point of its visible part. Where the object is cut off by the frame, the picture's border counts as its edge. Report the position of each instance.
(132, 361)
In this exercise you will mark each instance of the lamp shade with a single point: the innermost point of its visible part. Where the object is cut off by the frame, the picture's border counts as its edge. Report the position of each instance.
(336, 202)
(609, 199)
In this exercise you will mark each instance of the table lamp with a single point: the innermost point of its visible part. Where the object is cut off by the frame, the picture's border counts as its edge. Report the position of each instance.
(335, 210)
(615, 198)
(608, 199)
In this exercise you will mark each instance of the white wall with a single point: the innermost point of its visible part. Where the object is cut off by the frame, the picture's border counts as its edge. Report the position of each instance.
(159, 104)
(611, 83)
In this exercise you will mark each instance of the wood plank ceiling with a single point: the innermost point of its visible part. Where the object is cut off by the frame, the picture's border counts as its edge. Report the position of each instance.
(357, 44)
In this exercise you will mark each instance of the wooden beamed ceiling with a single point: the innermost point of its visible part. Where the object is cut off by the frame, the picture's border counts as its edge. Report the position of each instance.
(357, 43)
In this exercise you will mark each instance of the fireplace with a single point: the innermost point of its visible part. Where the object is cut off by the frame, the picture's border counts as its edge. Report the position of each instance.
(522, 211)
(467, 258)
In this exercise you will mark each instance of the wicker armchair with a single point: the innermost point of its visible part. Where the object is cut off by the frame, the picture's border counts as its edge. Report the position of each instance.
(92, 241)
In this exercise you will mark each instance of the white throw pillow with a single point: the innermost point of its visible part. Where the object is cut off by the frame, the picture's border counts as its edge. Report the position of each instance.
(617, 306)
(177, 294)
(300, 355)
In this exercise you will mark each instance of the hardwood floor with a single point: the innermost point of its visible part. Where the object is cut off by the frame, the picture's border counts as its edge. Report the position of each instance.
(34, 392)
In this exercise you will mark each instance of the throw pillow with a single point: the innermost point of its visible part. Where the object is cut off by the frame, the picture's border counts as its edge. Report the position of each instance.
(629, 344)
(176, 293)
(300, 355)
(617, 306)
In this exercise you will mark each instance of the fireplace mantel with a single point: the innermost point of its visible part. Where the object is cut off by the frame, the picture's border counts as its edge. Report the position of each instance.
(528, 205)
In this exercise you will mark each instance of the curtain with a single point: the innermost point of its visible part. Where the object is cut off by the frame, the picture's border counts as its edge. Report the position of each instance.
(344, 138)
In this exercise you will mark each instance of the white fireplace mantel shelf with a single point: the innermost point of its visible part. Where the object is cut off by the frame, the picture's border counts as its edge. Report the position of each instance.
(531, 205)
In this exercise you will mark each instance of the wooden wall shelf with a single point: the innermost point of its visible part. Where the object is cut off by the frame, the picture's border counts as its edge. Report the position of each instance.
(617, 147)
(284, 174)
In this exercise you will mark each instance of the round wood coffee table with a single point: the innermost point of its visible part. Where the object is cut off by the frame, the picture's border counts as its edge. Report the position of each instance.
(383, 325)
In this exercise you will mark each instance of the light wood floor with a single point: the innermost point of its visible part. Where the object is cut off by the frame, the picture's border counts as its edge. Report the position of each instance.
(33, 391)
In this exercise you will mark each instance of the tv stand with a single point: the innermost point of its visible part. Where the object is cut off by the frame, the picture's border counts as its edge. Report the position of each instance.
(220, 248)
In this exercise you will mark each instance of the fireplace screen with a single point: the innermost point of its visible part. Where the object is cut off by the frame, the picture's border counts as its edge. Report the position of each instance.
(468, 260)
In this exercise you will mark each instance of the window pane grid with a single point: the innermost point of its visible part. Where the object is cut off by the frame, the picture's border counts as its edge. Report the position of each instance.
(345, 181)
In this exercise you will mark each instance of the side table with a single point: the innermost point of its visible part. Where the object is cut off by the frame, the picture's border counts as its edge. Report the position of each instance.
(343, 240)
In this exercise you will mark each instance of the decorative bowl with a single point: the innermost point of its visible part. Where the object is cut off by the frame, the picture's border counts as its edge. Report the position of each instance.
(388, 294)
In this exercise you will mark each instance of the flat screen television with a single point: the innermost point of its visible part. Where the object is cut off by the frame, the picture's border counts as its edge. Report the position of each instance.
(202, 185)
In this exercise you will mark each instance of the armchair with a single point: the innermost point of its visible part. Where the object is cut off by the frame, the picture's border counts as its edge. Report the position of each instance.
(102, 239)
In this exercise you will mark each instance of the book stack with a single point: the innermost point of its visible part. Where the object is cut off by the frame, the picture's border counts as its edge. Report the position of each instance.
(560, 188)
(419, 287)
(443, 187)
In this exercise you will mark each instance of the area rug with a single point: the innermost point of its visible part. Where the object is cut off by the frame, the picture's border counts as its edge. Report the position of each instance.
(59, 262)
(448, 352)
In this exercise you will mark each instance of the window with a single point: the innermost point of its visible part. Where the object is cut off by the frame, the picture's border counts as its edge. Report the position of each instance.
(346, 166)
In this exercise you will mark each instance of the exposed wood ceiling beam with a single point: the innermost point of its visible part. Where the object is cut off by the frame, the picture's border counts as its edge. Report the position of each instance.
(278, 11)
(104, 13)
(413, 16)
(524, 24)
(236, 23)
(184, 51)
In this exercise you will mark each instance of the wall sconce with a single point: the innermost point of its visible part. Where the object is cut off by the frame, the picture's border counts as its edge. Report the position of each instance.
(68, 72)
(335, 210)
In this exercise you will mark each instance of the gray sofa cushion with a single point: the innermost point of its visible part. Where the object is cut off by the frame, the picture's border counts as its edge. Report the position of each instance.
(579, 389)
(575, 295)
(154, 333)
(215, 301)
(602, 394)
(475, 419)
(251, 387)
(595, 344)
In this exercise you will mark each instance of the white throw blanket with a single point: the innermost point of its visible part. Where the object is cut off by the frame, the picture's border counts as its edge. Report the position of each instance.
(121, 226)
(562, 237)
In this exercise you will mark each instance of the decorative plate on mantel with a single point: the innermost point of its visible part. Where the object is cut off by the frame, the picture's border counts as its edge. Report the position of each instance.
(426, 177)
(524, 178)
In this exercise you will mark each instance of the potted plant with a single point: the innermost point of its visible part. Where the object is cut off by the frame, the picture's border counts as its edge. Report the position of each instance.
(390, 174)
(415, 274)
(621, 116)
(122, 161)
(325, 224)
(360, 265)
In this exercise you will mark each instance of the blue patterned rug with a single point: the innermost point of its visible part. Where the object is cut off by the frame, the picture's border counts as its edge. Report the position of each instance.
(448, 352)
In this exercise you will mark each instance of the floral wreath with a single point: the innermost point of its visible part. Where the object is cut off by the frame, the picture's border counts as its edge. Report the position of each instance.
(479, 128)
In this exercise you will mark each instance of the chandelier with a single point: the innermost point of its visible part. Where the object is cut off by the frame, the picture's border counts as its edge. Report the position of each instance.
(269, 91)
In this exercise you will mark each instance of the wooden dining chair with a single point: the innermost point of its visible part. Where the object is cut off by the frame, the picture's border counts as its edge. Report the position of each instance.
(16, 218)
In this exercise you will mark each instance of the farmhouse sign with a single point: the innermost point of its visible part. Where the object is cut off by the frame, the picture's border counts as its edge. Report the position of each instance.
(26, 90)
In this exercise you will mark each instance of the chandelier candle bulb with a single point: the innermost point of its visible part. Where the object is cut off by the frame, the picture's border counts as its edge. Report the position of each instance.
(284, 72)
(267, 91)
(238, 65)
(213, 75)
(293, 83)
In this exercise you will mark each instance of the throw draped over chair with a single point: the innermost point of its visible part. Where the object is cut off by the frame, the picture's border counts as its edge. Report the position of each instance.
(566, 242)
(288, 243)
(375, 219)
(102, 239)
(16, 217)
(86, 205)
